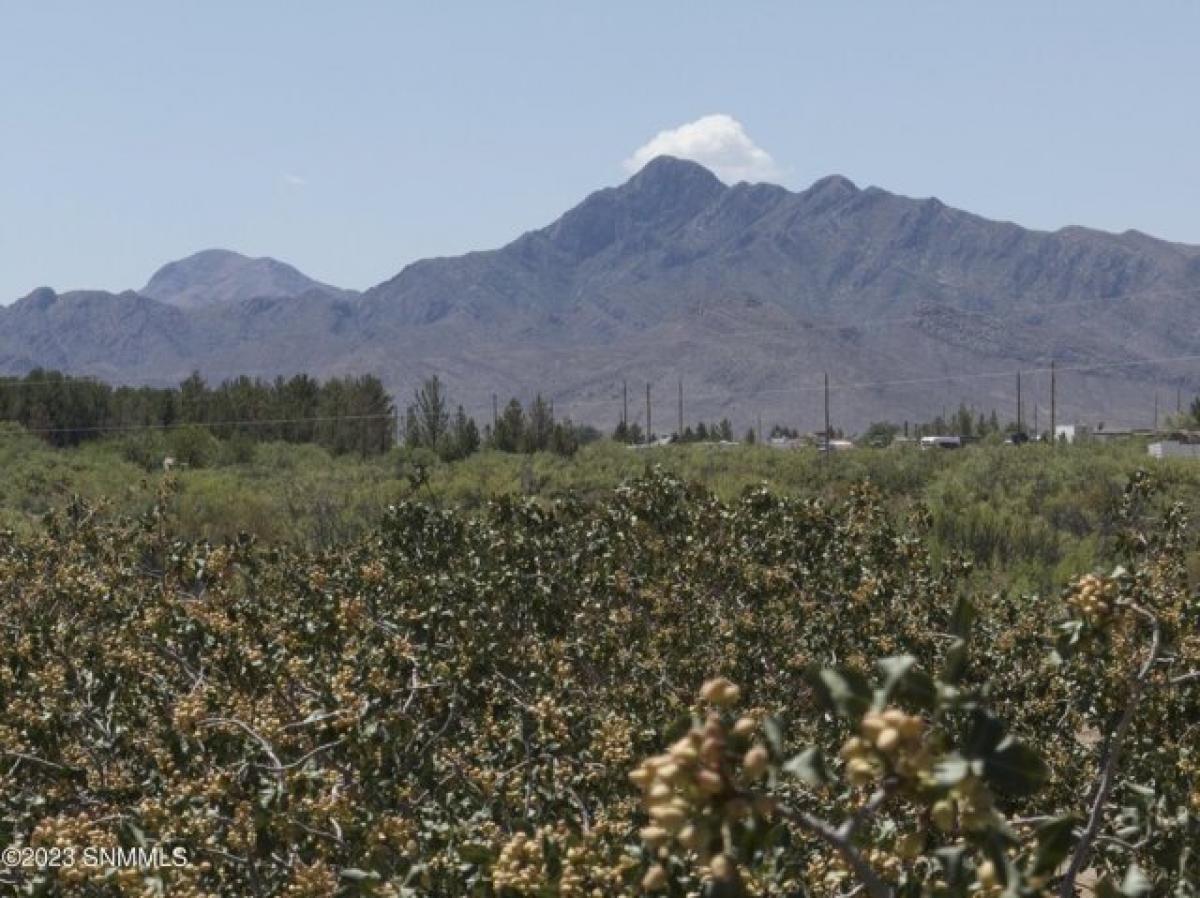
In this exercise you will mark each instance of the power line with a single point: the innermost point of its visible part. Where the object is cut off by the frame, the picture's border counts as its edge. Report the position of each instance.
(913, 381)
(1053, 369)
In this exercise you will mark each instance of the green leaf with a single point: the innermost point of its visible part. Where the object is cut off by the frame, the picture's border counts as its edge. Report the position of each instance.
(1054, 841)
(809, 766)
(894, 669)
(986, 733)
(918, 689)
(1015, 769)
(951, 858)
(774, 734)
(955, 664)
(902, 680)
(553, 860)
(677, 727)
(135, 833)
(962, 618)
(951, 770)
(844, 690)
(1136, 883)
(354, 874)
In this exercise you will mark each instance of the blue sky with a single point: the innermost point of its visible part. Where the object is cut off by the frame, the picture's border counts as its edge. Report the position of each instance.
(351, 138)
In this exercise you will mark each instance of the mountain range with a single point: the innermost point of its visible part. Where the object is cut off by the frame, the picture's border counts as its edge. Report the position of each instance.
(746, 294)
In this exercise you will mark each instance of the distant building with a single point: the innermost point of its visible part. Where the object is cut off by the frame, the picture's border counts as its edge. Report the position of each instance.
(654, 443)
(1174, 449)
(786, 443)
(941, 442)
(1071, 433)
(1119, 434)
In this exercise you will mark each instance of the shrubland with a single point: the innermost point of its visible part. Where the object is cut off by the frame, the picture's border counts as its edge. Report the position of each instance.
(646, 689)
(1029, 518)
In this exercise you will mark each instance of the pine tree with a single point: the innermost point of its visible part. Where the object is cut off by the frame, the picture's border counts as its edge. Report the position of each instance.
(465, 440)
(540, 426)
(432, 415)
(510, 428)
(564, 440)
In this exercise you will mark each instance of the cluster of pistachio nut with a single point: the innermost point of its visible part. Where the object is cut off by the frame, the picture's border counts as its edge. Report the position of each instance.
(696, 787)
(1093, 597)
(889, 742)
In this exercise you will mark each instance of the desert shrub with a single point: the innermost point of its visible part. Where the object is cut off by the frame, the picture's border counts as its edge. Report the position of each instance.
(239, 449)
(193, 445)
(146, 449)
(451, 704)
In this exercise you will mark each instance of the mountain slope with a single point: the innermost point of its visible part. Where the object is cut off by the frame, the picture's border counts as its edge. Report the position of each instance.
(746, 293)
(218, 277)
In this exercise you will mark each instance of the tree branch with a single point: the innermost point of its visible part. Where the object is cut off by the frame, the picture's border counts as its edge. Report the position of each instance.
(1108, 771)
(869, 808)
(841, 843)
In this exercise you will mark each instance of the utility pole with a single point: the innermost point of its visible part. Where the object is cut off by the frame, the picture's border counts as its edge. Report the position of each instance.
(826, 413)
(647, 411)
(1179, 400)
(1053, 410)
(624, 403)
(760, 428)
(1019, 427)
(495, 414)
(681, 408)
(1035, 420)
(1156, 411)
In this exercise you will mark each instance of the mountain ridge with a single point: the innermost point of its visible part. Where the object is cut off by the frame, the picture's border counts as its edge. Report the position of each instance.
(220, 276)
(739, 290)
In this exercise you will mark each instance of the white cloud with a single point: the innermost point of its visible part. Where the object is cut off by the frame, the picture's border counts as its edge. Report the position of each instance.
(293, 179)
(718, 142)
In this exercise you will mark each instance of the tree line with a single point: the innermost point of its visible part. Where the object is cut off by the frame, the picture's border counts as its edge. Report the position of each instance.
(346, 414)
(722, 431)
(430, 424)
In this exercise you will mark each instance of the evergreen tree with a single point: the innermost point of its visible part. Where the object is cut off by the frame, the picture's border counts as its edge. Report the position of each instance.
(540, 426)
(465, 440)
(510, 428)
(431, 415)
(880, 434)
(193, 395)
(564, 440)
(963, 421)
